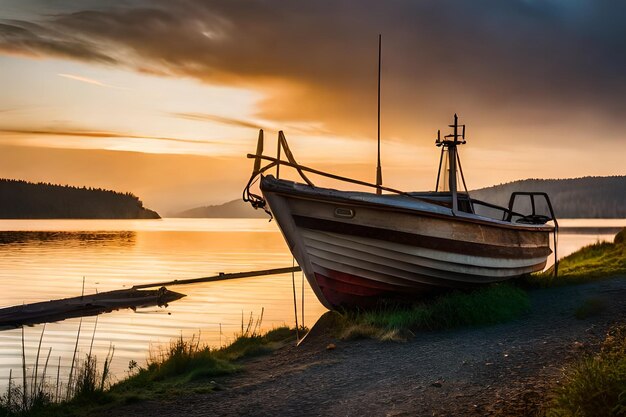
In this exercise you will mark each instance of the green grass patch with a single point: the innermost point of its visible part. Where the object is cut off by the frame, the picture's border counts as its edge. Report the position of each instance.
(490, 305)
(184, 358)
(592, 262)
(596, 385)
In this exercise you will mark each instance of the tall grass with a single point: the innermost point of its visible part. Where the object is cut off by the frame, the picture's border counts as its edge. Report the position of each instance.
(37, 396)
(495, 304)
(596, 385)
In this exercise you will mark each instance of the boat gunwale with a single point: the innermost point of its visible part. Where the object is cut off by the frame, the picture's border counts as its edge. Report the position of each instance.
(464, 217)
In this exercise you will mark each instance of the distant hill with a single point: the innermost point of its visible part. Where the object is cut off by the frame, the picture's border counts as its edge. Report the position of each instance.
(232, 209)
(27, 200)
(588, 197)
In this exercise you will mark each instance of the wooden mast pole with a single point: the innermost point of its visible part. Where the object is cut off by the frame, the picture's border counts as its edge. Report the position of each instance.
(379, 171)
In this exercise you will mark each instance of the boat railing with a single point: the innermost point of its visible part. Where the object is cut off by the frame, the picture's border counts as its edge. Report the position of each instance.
(533, 217)
(258, 201)
(508, 214)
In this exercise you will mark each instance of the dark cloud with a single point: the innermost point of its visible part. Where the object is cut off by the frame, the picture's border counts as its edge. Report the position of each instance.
(316, 61)
(31, 39)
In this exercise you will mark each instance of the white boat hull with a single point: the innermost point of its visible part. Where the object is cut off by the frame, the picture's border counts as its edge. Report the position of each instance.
(358, 248)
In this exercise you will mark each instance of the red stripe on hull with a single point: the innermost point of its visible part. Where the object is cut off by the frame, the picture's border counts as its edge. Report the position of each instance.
(359, 282)
(346, 290)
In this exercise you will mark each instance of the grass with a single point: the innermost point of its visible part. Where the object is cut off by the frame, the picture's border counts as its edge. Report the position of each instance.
(88, 384)
(187, 365)
(186, 361)
(596, 261)
(184, 365)
(495, 304)
(596, 385)
(36, 396)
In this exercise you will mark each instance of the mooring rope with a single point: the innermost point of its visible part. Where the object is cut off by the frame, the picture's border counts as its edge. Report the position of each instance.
(295, 305)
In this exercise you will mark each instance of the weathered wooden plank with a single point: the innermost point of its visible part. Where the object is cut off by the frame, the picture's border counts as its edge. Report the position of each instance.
(87, 305)
(221, 277)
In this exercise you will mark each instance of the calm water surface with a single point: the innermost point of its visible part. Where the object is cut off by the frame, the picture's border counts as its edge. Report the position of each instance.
(47, 259)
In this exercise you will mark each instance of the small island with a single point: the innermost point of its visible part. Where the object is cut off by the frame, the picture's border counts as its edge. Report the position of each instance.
(26, 200)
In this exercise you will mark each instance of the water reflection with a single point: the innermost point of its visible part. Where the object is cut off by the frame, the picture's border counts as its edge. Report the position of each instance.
(122, 238)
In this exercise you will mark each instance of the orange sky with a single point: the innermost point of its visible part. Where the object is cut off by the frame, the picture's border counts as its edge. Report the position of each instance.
(165, 98)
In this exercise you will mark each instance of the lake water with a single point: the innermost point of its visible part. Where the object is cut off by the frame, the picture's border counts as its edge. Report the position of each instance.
(47, 259)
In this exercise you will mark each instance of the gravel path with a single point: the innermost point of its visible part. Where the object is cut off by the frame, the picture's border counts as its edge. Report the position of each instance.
(498, 370)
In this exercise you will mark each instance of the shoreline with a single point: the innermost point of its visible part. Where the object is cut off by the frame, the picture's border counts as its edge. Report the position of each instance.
(505, 369)
(509, 369)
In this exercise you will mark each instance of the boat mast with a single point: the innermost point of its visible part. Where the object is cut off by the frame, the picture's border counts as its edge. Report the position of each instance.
(452, 157)
(379, 170)
(449, 144)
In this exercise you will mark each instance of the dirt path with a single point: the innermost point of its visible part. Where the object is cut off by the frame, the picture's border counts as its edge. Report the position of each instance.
(499, 370)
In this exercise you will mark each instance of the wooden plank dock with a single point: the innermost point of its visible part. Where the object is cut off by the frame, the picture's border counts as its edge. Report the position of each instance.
(105, 302)
(222, 277)
(87, 305)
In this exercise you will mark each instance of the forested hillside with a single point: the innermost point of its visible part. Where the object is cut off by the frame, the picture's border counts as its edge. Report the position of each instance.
(231, 209)
(26, 200)
(588, 197)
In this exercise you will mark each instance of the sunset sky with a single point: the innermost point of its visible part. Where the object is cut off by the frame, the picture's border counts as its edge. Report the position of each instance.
(164, 98)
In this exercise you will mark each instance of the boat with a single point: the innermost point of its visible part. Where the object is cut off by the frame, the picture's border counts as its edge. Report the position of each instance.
(358, 249)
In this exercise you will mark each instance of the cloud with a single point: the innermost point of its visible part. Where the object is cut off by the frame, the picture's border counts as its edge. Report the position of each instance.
(88, 80)
(302, 128)
(96, 134)
(495, 61)
(26, 38)
(204, 117)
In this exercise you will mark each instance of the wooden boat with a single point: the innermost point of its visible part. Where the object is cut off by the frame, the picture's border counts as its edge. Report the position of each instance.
(358, 248)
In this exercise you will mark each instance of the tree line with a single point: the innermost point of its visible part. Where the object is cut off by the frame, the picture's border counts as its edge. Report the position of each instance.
(26, 200)
(587, 197)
